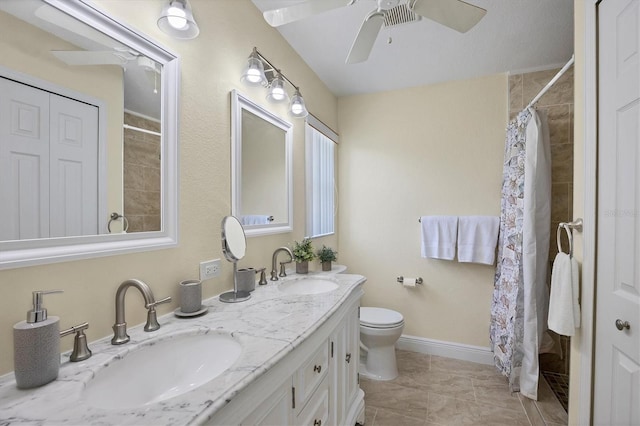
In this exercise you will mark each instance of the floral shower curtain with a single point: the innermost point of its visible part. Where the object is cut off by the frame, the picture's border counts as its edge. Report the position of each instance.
(520, 298)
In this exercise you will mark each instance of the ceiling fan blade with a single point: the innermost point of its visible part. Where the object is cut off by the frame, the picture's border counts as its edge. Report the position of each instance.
(85, 57)
(366, 37)
(454, 14)
(285, 15)
(62, 20)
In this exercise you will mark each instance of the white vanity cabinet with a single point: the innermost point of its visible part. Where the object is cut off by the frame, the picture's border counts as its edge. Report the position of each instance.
(316, 384)
(345, 346)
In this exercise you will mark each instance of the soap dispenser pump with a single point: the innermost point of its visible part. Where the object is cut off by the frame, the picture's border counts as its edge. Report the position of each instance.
(36, 345)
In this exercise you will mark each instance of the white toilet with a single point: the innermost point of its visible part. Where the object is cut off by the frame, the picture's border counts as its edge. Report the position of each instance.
(380, 329)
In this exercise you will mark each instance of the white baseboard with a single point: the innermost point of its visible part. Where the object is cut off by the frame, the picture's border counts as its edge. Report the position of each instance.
(478, 354)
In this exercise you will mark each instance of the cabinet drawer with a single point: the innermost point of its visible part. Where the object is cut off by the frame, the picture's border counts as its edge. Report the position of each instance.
(309, 376)
(316, 412)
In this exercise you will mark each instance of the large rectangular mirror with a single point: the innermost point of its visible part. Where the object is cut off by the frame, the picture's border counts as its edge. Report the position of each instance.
(261, 172)
(88, 135)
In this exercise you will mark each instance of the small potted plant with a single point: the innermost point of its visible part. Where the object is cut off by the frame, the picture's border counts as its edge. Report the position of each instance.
(302, 254)
(326, 255)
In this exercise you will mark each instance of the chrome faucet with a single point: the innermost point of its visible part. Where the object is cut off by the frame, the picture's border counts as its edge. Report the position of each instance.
(274, 263)
(120, 335)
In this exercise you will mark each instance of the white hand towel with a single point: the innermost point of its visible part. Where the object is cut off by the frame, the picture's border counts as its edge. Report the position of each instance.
(478, 238)
(254, 219)
(564, 310)
(439, 236)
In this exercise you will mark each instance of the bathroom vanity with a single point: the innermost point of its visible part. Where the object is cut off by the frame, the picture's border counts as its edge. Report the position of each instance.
(298, 364)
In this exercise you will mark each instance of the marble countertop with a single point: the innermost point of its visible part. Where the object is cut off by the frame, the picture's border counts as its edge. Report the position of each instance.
(268, 326)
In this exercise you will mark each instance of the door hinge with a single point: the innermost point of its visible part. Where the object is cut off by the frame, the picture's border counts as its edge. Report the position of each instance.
(293, 397)
(331, 349)
(358, 377)
(358, 312)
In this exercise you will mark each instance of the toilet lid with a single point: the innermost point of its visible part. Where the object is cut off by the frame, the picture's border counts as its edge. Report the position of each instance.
(380, 317)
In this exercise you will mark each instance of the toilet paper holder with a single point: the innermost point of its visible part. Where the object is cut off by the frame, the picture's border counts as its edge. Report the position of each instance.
(400, 279)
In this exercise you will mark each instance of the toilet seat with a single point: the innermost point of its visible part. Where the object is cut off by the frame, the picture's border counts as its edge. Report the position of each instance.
(380, 318)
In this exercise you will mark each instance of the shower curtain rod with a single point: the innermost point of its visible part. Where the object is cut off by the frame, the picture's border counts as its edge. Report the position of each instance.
(552, 82)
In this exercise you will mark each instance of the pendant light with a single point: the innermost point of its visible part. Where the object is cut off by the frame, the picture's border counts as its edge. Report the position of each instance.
(276, 89)
(253, 73)
(177, 20)
(298, 109)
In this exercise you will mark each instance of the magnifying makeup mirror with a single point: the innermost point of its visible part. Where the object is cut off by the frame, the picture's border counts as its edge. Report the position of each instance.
(234, 246)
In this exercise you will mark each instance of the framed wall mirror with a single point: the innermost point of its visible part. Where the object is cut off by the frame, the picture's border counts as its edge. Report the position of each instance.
(88, 135)
(261, 168)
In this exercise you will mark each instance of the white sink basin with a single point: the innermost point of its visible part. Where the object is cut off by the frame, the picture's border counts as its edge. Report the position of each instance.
(163, 370)
(308, 286)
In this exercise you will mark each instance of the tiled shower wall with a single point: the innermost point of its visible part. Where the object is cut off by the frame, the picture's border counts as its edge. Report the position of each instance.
(558, 104)
(141, 174)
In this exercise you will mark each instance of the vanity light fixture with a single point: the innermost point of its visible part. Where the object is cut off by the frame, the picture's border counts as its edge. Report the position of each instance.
(298, 109)
(177, 20)
(259, 71)
(253, 73)
(276, 89)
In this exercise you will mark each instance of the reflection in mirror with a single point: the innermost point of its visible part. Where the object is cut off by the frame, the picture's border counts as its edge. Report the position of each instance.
(234, 246)
(261, 168)
(87, 134)
(62, 82)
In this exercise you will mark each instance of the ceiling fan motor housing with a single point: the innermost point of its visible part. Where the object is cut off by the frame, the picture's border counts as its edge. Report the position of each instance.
(387, 4)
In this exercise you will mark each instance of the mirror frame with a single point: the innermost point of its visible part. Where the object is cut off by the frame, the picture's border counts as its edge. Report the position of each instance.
(21, 253)
(238, 104)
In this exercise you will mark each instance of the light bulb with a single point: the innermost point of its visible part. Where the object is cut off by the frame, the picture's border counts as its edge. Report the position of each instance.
(253, 75)
(296, 108)
(277, 93)
(177, 18)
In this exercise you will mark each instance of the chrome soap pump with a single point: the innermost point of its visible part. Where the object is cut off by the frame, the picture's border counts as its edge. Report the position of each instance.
(36, 346)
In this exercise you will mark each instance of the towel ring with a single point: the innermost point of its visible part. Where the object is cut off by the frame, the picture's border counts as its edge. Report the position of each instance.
(568, 226)
(569, 237)
(116, 216)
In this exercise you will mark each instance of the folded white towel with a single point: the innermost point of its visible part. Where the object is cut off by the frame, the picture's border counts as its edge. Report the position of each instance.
(439, 236)
(254, 219)
(478, 238)
(564, 309)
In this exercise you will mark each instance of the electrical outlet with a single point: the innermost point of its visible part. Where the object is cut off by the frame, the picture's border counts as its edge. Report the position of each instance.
(209, 269)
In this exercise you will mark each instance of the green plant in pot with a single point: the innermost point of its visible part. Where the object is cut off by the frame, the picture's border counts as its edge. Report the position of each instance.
(302, 254)
(326, 255)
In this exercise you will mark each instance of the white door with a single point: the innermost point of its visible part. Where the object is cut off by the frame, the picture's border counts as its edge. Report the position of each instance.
(74, 168)
(617, 354)
(24, 161)
(48, 164)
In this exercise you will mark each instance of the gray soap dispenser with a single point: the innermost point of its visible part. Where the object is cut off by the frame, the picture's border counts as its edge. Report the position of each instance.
(36, 346)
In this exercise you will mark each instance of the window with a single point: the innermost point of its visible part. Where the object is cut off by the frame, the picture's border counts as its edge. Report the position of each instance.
(320, 153)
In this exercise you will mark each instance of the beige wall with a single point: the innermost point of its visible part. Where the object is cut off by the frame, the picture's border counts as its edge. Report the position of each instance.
(432, 150)
(577, 366)
(211, 66)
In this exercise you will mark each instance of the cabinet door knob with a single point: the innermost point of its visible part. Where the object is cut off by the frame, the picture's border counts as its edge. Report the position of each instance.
(317, 423)
(348, 358)
(621, 325)
(317, 368)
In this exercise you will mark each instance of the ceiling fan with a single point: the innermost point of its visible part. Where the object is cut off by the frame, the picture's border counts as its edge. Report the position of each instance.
(101, 49)
(455, 14)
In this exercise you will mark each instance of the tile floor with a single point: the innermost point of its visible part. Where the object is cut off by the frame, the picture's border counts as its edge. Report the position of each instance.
(432, 390)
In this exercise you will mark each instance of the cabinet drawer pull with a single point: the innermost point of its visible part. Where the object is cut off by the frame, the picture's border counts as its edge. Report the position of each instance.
(317, 368)
(348, 358)
(317, 423)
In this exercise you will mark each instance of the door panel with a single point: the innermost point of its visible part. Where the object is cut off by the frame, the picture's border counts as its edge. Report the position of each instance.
(617, 354)
(24, 161)
(74, 168)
